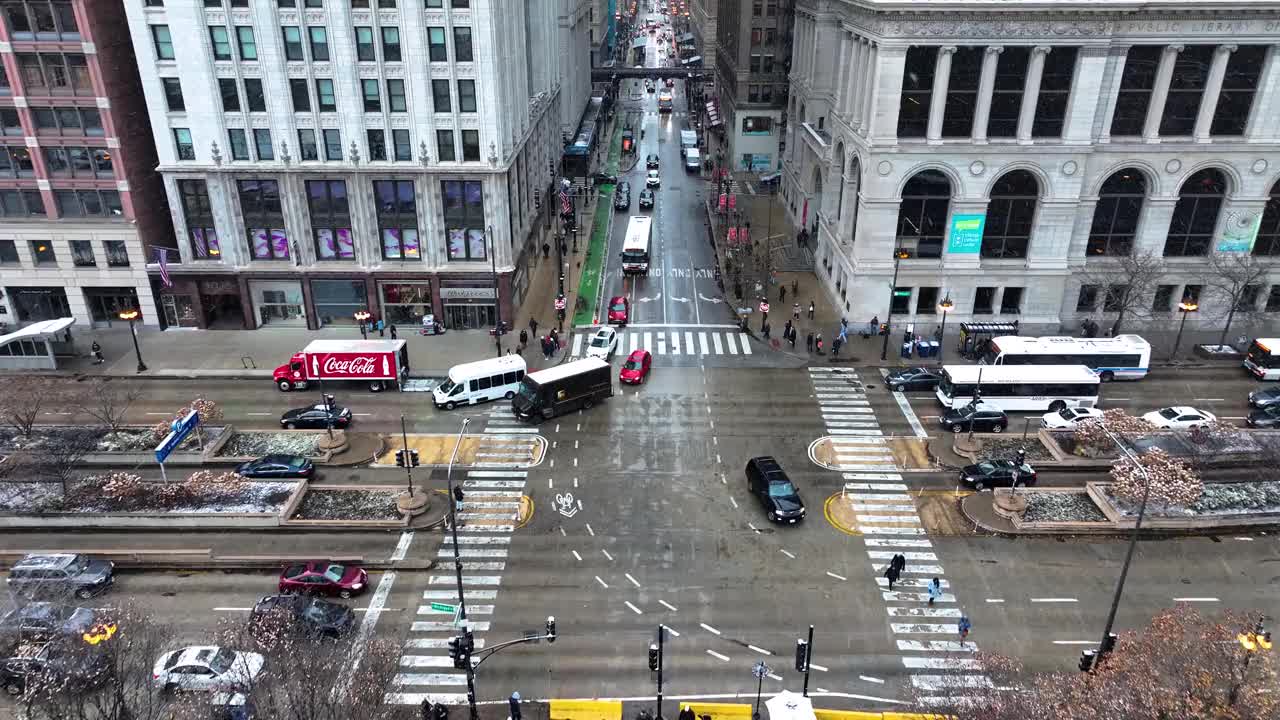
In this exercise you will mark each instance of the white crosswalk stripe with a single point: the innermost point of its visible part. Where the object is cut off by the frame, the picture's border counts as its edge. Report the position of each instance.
(676, 343)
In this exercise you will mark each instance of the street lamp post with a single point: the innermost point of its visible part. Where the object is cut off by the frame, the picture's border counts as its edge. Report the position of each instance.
(497, 298)
(1105, 645)
(362, 318)
(457, 564)
(944, 307)
(760, 670)
(131, 315)
(1186, 307)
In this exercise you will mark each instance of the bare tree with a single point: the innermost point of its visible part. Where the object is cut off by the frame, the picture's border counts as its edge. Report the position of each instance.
(1235, 279)
(108, 402)
(58, 458)
(24, 398)
(1126, 284)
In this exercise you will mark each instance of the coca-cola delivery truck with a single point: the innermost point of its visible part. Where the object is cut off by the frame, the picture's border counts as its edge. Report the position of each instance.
(380, 363)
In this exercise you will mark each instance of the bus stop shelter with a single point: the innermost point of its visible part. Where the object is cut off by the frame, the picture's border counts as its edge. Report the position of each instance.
(36, 346)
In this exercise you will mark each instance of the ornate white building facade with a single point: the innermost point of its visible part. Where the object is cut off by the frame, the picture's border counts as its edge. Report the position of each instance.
(1006, 155)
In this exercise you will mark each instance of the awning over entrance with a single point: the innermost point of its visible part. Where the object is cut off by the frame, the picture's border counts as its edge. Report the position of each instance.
(713, 113)
(33, 346)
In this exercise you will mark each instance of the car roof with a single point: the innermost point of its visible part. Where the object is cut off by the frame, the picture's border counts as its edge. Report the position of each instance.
(197, 654)
(617, 298)
(1180, 409)
(637, 354)
(47, 560)
(605, 331)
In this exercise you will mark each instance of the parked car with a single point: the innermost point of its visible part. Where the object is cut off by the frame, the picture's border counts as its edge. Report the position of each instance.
(646, 199)
(976, 417)
(604, 178)
(1179, 417)
(206, 668)
(1267, 417)
(622, 198)
(316, 417)
(997, 473)
(1257, 398)
(1069, 417)
(770, 485)
(55, 575)
(277, 466)
(44, 621)
(60, 663)
(619, 309)
(308, 616)
(652, 179)
(324, 578)
(603, 343)
(916, 378)
(651, 162)
(636, 369)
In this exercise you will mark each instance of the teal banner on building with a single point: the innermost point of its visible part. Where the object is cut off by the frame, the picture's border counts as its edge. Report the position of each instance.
(966, 234)
(1240, 233)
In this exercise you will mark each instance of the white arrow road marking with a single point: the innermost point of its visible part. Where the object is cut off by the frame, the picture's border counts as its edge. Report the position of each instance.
(649, 299)
(704, 298)
(680, 299)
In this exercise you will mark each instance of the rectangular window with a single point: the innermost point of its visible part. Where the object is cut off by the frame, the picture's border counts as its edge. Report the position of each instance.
(364, 45)
(396, 101)
(1087, 300)
(754, 64)
(307, 149)
(1186, 90)
(983, 300)
(757, 125)
(81, 250)
(1055, 91)
(459, 4)
(230, 93)
(254, 97)
(1011, 301)
(1235, 102)
(1273, 296)
(293, 43)
(464, 219)
(962, 91)
(332, 145)
(377, 144)
(11, 122)
(45, 19)
(445, 150)
(440, 96)
(917, 90)
(927, 301)
(325, 98)
(1136, 84)
(901, 302)
(163, 42)
(246, 44)
(1248, 299)
(462, 51)
(1006, 95)
(198, 214)
(1192, 292)
(467, 95)
(319, 37)
(221, 41)
(117, 253)
(173, 94)
(400, 143)
(471, 145)
(436, 50)
(1163, 300)
(397, 219)
(56, 160)
(372, 102)
(330, 219)
(299, 92)
(42, 252)
(238, 143)
(8, 252)
(1113, 300)
(263, 219)
(182, 140)
(262, 143)
(21, 203)
(391, 44)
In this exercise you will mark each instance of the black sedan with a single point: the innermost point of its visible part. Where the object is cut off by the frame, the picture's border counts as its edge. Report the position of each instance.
(622, 197)
(1265, 398)
(646, 199)
(277, 466)
(975, 417)
(43, 621)
(308, 616)
(1266, 417)
(651, 162)
(603, 178)
(997, 473)
(916, 378)
(316, 417)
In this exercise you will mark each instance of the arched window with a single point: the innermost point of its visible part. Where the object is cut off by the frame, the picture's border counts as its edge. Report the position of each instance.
(855, 176)
(1196, 214)
(922, 214)
(1010, 216)
(1115, 219)
(815, 205)
(1268, 242)
(844, 179)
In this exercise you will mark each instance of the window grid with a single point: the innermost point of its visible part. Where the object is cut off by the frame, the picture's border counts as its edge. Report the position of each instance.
(1010, 216)
(1115, 218)
(1195, 216)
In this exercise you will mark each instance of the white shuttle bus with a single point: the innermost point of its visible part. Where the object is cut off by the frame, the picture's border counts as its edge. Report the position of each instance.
(1026, 388)
(1123, 357)
(480, 381)
(635, 247)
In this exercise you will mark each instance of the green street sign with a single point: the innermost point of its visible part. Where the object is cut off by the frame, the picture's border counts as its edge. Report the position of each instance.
(902, 293)
(443, 607)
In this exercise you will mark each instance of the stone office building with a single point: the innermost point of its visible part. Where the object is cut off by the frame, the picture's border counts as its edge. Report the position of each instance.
(1009, 158)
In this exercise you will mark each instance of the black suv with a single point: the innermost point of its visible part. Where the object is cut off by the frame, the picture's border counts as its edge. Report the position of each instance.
(771, 486)
(56, 575)
(975, 417)
(63, 663)
(916, 378)
(41, 621)
(651, 162)
(993, 473)
(310, 617)
(622, 196)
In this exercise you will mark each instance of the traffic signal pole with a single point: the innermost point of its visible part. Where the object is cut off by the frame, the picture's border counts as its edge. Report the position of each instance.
(408, 464)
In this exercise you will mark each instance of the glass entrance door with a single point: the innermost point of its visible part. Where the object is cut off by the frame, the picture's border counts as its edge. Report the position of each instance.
(469, 317)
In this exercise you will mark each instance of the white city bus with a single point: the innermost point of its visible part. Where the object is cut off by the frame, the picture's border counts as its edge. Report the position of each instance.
(1123, 357)
(1263, 358)
(635, 248)
(1019, 387)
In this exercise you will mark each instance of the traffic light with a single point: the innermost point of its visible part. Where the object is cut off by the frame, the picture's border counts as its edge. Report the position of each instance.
(653, 657)
(551, 628)
(407, 458)
(469, 642)
(1086, 660)
(458, 652)
(802, 655)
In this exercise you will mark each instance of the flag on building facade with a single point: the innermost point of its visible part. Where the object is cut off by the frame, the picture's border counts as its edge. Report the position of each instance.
(162, 258)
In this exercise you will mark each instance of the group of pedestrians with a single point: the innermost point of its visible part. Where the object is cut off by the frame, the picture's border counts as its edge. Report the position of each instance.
(933, 591)
(551, 342)
(813, 342)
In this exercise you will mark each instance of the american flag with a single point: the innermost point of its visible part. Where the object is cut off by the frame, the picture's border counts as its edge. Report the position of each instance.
(162, 257)
(566, 206)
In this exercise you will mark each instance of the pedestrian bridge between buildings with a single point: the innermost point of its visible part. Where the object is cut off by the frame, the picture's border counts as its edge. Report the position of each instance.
(606, 74)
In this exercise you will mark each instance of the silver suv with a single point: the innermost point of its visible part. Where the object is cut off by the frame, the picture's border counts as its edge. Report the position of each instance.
(60, 574)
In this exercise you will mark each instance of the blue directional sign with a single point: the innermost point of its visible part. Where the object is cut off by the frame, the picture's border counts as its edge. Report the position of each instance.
(181, 429)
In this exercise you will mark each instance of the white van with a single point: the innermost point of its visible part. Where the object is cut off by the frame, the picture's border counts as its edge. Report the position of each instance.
(688, 139)
(476, 382)
(692, 160)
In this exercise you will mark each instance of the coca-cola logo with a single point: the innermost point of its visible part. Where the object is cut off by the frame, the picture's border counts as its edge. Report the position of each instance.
(352, 366)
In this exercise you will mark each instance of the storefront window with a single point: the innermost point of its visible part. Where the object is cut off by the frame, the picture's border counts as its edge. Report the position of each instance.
(105, 303)
(179, 311)
(330, 219)
(278, 302)
(464, 219)
(406, 303)
(338, 300)
(397, 219)
(263, 219)
(33, 304)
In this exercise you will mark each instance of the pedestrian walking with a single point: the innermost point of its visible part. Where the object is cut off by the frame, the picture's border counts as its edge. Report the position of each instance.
(546, 348)
(382, 328)
(810, 309)
(786, 330)
(458, 495)
(765, 331)
(514, 703)
(546, 250)
(935, 590)
(891, 573)
(817, 343)
(793, 338)
(524, 339)
(795, 311)
(899, 561)
(533, 326)
(964, 626)
(782, 293)
(393, 331)
(873, 327)
(835, 347)
(808, 342)
(96, 350)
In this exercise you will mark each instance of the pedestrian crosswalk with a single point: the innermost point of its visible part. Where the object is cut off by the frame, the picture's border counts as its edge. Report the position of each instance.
(889, 524)
(489, 515)
(670, 342)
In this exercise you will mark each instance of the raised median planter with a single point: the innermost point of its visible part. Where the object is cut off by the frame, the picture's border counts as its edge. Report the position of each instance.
(237, 447)
(349, 507)
(128, 445)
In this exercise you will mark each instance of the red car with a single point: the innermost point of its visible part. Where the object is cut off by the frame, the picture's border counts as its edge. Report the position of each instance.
(636, 368)
(619, 310)
(324, 578)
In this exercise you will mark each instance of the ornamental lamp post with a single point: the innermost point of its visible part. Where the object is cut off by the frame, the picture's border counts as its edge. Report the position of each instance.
(944, 307)
(362, 317)
(131, 315)
(1186, 307)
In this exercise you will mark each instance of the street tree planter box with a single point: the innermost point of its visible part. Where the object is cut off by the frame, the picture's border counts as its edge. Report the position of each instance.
(1249, 447)
(1155, 519)
(222, 454)
(188, 453)
(390, 491)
